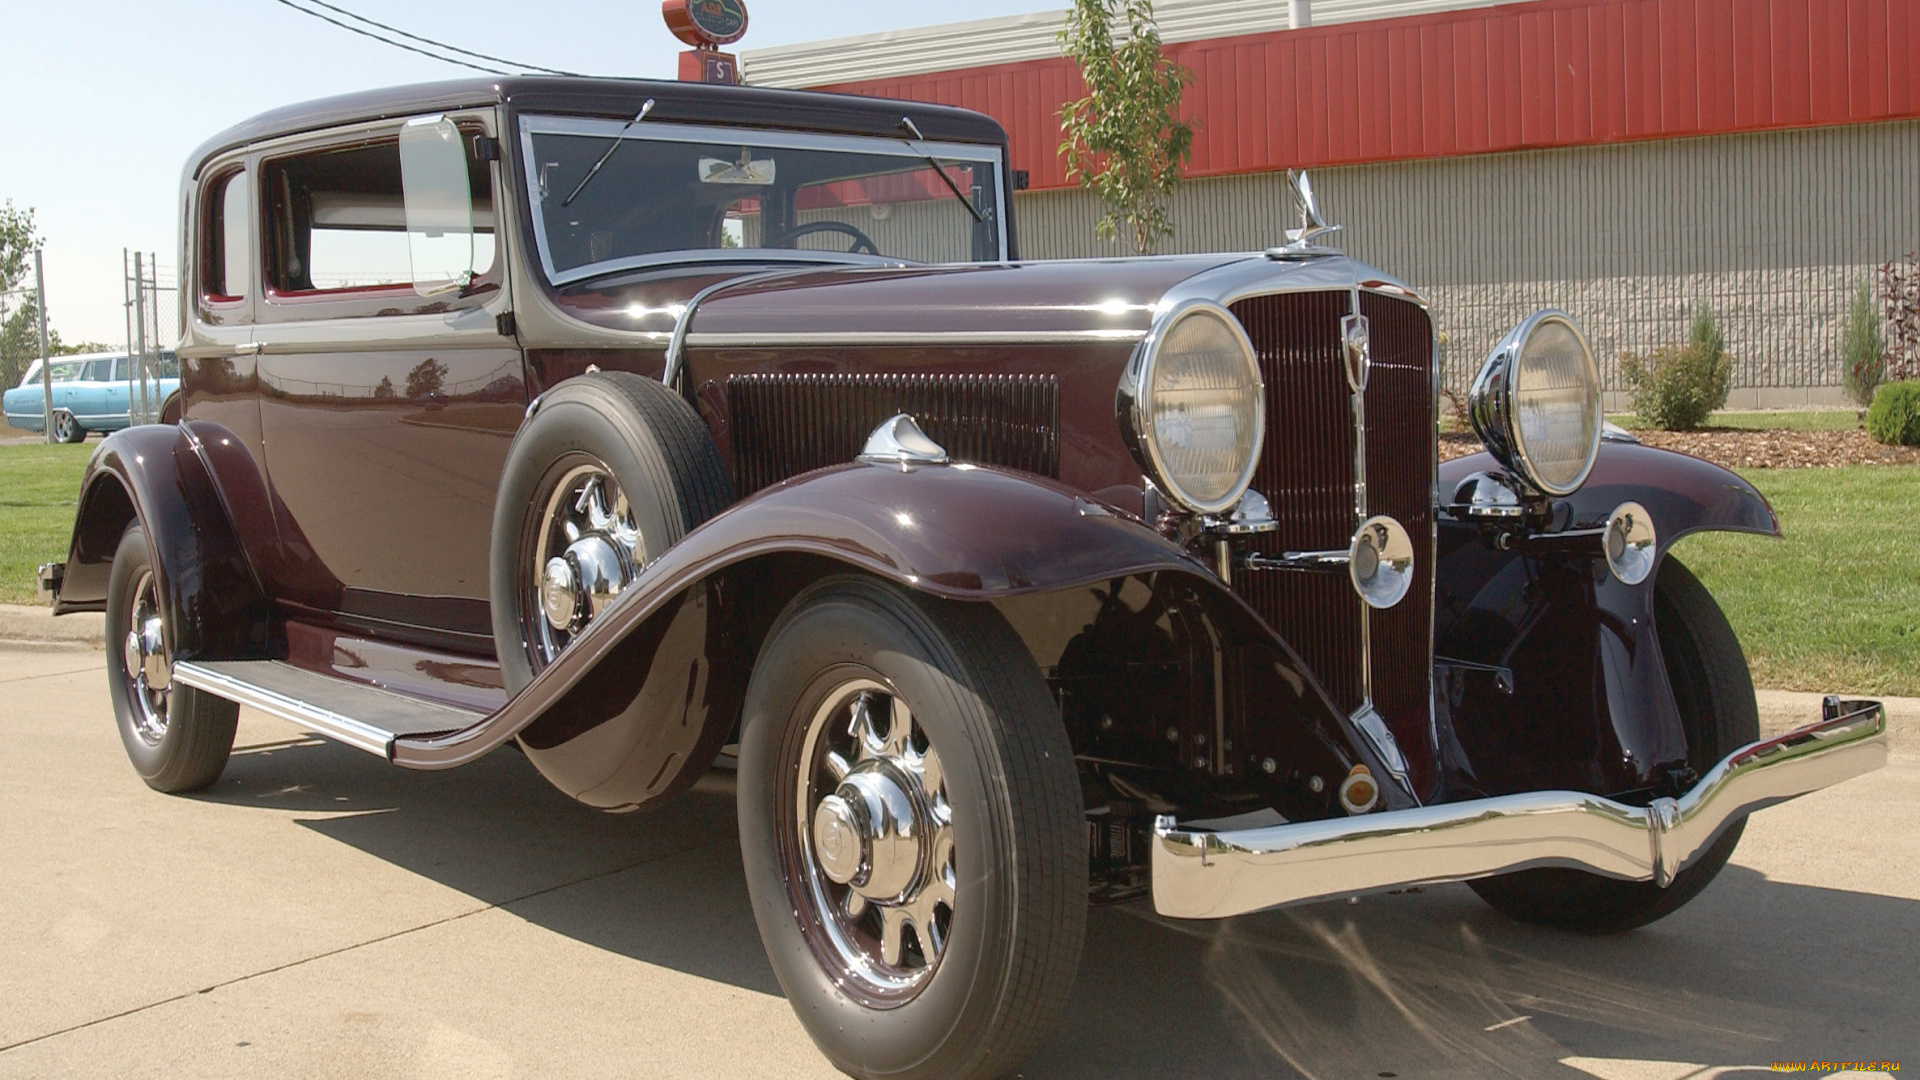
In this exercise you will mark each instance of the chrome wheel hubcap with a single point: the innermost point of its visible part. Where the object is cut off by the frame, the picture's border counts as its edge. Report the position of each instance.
(874, 832)
(149, 670)
(587, 551)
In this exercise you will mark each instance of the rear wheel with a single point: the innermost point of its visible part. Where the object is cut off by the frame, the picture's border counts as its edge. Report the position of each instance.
(1714, 692)
(178, 738)
(911, 827)
(66, 429)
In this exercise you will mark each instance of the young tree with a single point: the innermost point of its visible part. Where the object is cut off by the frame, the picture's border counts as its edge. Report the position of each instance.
(19, 307)
(1125, 140)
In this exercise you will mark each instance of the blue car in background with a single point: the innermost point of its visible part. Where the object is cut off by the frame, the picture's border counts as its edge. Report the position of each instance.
(92, 392)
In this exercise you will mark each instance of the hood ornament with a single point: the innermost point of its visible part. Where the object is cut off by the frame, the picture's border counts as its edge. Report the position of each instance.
(1301, 241)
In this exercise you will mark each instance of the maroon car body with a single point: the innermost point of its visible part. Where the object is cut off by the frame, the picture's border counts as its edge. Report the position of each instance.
(327, 505)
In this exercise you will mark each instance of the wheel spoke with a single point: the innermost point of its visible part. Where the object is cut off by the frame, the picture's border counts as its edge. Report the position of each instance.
(860, 726)
(934, 778)
(837, 766)
(899, 728)
(893, 926)
(856, 904)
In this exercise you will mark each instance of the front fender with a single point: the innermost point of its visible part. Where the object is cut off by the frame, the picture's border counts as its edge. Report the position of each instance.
(164, 476)
(1549, 668)
(634, 708)
(956, 531)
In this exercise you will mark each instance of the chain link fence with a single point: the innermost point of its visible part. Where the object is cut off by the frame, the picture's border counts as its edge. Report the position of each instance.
(153, 328)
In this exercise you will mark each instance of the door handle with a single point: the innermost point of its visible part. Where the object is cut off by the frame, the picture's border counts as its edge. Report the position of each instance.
(246, 348)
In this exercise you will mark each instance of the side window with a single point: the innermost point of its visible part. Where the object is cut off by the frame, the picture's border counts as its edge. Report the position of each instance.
(226, 244)
(98, 371)
(336, 221)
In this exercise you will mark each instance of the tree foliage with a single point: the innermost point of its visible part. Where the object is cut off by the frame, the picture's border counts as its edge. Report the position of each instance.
(1125, 141)
(19, 304)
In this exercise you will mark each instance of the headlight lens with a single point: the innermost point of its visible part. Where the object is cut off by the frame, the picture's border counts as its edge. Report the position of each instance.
(1199, 408)
(1536, 403)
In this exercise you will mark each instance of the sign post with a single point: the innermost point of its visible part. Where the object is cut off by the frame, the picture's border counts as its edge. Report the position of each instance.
(46, 352)
(706, 25)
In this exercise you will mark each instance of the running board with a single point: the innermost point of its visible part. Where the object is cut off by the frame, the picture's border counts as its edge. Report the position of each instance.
(361, 716)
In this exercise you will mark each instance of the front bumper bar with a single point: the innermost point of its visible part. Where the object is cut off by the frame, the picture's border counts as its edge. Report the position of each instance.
(1200, 874)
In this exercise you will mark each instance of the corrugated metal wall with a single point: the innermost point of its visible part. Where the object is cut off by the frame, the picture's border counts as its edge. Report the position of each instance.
(1769, 230)
(1534, 75)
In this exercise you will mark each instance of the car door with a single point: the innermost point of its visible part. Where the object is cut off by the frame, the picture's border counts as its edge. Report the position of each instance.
(385, 414)
(86, 396)
(114, 399)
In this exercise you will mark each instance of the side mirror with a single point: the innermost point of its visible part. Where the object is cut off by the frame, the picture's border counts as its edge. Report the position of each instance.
(439, 205)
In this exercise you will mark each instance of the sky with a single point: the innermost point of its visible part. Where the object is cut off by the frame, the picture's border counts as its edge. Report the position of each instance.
(106, 98)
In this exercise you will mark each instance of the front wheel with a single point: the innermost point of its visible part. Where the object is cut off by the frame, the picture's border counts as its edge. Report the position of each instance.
(910, 822)
(178, 738)
(1714, 692)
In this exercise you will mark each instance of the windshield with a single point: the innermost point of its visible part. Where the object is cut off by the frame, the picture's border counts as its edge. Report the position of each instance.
(673, 189)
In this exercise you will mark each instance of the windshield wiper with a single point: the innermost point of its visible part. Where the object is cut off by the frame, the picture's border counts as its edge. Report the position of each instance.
(914, 130)
(645, 108)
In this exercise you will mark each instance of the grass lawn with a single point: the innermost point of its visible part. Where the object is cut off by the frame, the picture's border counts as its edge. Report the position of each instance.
(1836, 605)
(38, 488)
(1769, 420)
(1833, 607)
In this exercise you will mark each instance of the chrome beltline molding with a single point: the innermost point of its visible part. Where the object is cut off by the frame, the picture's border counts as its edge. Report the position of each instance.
(1203, 875)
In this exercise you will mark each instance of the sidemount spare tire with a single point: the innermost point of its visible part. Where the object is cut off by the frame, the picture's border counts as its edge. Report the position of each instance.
(609, 471)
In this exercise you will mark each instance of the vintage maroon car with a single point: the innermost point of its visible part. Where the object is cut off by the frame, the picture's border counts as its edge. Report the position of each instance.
(657, 426)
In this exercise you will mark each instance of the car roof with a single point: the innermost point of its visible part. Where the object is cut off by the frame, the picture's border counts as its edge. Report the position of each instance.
(682, 102)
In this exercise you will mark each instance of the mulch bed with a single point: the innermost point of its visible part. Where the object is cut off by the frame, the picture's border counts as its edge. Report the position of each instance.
(1739, 449)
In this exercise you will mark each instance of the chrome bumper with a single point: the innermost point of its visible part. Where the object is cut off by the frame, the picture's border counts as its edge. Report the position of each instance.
(1199, 874)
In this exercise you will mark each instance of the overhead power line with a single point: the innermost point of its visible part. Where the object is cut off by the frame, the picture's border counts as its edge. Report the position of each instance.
(414, 37)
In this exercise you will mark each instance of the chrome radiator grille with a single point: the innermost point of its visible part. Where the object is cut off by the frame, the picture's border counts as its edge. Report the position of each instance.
(1306, 472)
(784, 425)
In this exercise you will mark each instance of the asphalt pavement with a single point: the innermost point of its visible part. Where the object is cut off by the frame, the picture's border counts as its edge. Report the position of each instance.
(318, 913)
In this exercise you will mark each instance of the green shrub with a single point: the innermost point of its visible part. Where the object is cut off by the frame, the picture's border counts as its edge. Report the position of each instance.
(1863, 346)
(1675, 388)
(1894, 418)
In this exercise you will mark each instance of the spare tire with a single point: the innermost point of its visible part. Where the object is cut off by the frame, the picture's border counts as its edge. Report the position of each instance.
(609, 471)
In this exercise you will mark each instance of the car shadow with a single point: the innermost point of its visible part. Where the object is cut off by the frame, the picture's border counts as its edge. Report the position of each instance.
(1427, 984)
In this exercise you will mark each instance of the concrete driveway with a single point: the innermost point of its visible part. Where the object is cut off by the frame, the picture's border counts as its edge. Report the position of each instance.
(320, 914)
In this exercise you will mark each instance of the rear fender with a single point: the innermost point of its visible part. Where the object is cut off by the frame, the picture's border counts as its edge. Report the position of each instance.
(1558, 680)
(165, 477)
(636, 708)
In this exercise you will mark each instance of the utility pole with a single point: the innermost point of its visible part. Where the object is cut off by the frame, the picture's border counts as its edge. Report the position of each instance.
(46, 352)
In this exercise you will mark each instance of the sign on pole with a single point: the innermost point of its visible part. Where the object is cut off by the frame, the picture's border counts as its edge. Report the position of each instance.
(706, 25)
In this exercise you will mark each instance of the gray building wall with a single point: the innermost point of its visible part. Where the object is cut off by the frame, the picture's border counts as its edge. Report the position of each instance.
(1772, 231)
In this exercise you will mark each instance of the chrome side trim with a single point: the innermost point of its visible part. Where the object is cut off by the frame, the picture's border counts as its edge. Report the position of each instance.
(913, 337)
(1199, 874)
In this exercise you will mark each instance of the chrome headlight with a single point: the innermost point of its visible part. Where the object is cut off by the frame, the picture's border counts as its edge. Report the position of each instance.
(1536, 403)
(1194, 408)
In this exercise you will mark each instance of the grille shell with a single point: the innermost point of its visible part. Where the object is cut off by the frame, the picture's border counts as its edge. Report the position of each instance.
(1306, 473)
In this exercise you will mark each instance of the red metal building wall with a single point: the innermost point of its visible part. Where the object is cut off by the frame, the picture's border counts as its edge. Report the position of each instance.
(1522, 76)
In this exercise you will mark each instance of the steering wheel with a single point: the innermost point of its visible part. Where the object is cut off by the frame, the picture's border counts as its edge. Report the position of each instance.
(860, 239)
